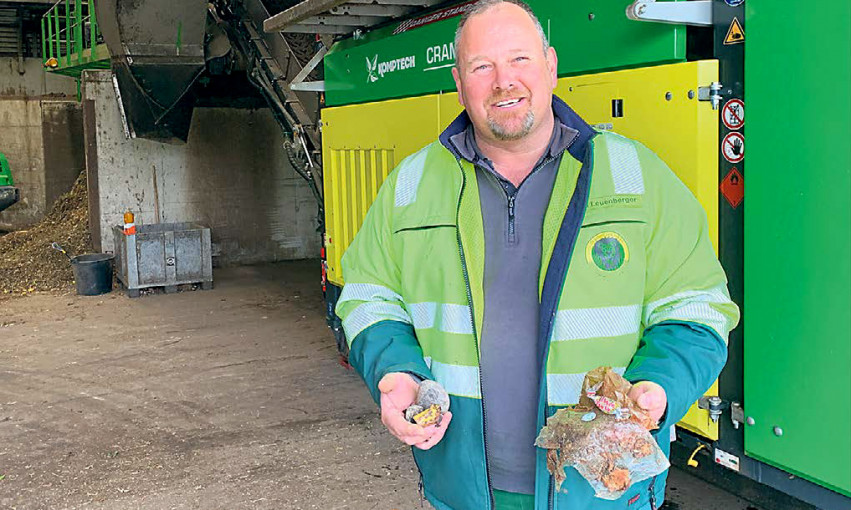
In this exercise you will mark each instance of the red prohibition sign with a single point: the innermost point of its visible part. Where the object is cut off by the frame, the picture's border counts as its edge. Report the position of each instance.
(733, 147)
(733, 114)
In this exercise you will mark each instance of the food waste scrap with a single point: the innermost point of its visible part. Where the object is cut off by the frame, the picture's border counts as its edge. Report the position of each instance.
(432, 402)
(605, 437)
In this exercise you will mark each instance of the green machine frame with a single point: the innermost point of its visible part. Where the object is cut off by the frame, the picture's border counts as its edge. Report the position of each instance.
(788, 377)
(784, 412)
(9, 194)
(799, 302)
(5, 172)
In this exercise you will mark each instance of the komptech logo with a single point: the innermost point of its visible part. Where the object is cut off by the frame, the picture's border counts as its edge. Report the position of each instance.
(376, 70)
(372, 69)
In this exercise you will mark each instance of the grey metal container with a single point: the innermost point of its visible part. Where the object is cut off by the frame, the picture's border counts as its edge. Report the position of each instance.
(163, 255)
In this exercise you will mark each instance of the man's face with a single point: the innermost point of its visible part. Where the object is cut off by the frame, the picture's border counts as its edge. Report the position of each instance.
(504, 77)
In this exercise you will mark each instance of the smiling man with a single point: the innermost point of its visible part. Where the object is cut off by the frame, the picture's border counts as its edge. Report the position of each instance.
(512, 256)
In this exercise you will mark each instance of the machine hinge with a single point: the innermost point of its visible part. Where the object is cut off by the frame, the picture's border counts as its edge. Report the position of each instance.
(696, 13)
(711, 93)
(737, 414)
(715, 405)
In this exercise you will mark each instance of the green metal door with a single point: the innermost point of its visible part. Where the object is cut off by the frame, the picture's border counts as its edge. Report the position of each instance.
(797, 313)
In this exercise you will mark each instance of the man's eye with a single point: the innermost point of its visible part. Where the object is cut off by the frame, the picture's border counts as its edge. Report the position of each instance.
(481, 67)
(521, 59)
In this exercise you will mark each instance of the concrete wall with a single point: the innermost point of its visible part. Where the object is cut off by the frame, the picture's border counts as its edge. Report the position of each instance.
(34, 82)
(42, 139)
(232, 176)
(20, 141)
(41, 135)
(64, 157)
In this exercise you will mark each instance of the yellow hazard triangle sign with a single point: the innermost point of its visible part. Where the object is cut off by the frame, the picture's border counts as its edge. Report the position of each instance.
(735, 34)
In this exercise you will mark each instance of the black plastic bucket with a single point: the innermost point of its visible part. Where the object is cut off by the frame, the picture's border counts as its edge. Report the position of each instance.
(93, 273)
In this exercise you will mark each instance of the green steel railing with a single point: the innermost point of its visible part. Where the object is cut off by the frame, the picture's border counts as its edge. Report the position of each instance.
(70, 36)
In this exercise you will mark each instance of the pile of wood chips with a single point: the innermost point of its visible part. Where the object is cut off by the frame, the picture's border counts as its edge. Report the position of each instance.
(28, 263)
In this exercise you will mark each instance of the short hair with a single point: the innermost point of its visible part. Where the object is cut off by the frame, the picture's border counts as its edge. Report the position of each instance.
(483, 5)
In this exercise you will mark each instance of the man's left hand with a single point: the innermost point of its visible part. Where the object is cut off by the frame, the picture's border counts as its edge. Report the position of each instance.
(651, 397)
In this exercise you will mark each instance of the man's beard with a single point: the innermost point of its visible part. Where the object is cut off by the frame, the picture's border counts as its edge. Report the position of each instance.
(504, 133)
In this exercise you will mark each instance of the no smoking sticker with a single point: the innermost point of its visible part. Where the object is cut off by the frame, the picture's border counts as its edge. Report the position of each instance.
(733, 147)
(733, 114)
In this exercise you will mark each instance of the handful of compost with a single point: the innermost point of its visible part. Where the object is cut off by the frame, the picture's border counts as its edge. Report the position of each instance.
(605, 437)
(432, 402)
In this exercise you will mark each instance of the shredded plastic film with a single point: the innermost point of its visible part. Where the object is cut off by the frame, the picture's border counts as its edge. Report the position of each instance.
(605, 437)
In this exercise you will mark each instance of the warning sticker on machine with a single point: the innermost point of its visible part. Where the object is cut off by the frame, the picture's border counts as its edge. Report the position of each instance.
(728, 460)
(735, 34)
(733, 147)
(733, 114)
(733, 188)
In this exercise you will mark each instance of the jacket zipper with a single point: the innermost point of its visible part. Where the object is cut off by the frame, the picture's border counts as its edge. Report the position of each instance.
(511, 211)
(491, 503)
(652, 492)
(512, 233)
(511, 236)
(552, 493)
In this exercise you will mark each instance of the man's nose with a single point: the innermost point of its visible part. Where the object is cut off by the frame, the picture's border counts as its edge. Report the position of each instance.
(504, 77)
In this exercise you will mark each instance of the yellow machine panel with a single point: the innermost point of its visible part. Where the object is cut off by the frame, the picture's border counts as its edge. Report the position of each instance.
(449, 108)
(657, 106)
(361, 144)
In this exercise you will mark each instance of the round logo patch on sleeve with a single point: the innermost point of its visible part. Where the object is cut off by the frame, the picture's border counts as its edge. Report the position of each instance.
(607, 251)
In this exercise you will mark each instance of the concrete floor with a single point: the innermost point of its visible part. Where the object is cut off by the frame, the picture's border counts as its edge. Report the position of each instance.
(223, 399)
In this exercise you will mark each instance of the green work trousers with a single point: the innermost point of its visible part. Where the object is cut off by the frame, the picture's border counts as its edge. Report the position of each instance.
(513, 501)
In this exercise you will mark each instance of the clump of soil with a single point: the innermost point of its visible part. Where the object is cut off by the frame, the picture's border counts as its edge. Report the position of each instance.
(29, 264)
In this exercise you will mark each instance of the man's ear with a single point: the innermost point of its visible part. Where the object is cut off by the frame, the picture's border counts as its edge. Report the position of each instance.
(457, 77)
(552, 64)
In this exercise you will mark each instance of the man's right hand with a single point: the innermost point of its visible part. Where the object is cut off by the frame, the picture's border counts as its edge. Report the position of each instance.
(398, 392)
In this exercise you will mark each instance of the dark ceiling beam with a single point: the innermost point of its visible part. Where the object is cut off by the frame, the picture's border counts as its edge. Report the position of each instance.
(319, 29)
(298, 12)
(343, 19)
(412, 3)
(388, 11)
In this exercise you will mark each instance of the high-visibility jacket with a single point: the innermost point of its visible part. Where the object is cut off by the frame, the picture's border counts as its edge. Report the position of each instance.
(628, 279)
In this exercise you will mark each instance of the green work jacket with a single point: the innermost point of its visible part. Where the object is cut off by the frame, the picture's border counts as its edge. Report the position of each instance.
(634, 284)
